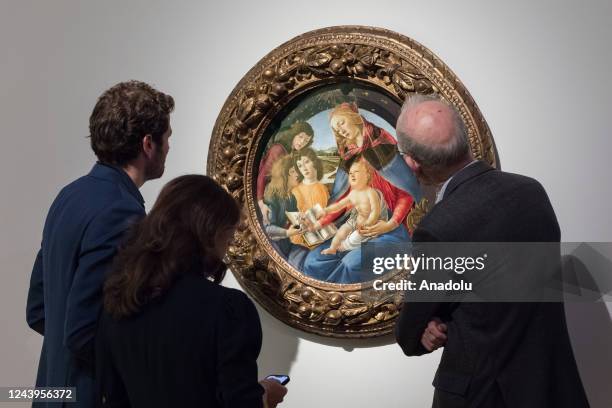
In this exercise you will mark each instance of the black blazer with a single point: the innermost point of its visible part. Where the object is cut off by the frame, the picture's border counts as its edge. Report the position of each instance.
(497, 355)
(195, 347)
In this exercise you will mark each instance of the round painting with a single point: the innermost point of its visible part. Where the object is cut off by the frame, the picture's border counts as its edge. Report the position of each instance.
(306, 144)
(330, 180)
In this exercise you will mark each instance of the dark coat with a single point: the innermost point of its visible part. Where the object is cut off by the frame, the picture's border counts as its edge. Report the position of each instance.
(82, 231)
(515, 355)
(196, 346)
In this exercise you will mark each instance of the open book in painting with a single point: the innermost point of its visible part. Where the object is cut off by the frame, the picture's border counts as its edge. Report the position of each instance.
(312, 215)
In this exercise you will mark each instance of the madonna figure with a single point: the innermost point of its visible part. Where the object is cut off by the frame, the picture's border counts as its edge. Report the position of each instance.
(356, 138)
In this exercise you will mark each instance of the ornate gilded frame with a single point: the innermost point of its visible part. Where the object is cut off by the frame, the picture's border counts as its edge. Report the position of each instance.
(378, 57)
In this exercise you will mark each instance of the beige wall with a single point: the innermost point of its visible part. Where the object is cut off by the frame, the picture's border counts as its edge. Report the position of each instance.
(539, 72)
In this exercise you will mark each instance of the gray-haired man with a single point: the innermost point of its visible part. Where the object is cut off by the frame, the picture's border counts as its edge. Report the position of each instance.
(495, 354)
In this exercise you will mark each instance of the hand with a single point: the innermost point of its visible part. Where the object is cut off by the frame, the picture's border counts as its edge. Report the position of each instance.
(293, 230)
(434, 335)
(381, 227)
(274, 392)
(308, 225)
(265, 212)
(322, 213)
(314, 227)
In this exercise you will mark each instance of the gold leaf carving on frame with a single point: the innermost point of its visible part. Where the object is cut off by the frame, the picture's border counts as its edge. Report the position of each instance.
(379, 58)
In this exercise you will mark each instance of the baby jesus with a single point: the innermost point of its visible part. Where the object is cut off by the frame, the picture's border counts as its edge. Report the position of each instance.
(367, 208)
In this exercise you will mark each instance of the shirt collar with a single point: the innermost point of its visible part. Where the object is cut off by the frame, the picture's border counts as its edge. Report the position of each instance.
(440, 193)
(117, 174)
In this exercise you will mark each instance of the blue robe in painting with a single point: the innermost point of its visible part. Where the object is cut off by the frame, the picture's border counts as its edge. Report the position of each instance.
(345, 267)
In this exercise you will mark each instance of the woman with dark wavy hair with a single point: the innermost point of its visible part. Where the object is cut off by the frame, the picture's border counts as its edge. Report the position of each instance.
(170, 335)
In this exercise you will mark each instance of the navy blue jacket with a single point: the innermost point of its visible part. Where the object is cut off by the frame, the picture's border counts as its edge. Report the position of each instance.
(82, 231)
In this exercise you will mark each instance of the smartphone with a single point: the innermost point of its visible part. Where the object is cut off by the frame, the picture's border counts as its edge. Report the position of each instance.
(281, 378)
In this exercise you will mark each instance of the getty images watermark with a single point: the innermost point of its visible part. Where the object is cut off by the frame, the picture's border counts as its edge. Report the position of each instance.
(422, 263)
(490, 271)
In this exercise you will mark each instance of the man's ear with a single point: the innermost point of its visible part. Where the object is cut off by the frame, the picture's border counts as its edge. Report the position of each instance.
(148, 146)
(413, 164)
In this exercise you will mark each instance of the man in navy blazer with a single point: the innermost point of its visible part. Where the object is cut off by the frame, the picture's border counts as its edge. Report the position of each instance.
(129, 130)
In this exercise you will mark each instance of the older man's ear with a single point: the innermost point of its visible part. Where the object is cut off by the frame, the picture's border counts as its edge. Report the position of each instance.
(415, 166)
(424, 177)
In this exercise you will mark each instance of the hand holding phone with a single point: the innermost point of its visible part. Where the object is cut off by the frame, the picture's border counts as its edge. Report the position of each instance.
(280, 378)
(275, 390)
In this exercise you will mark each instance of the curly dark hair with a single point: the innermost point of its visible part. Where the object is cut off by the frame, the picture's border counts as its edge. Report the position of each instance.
(178, 234)
(123, 115)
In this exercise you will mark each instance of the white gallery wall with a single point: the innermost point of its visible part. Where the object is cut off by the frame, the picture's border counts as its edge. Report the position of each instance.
(539, 71)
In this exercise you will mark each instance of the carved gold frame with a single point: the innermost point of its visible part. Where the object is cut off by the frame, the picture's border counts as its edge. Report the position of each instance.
(385, 59)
